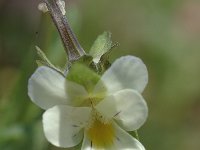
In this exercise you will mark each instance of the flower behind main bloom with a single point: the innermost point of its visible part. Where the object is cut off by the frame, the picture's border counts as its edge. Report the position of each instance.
(102, 116)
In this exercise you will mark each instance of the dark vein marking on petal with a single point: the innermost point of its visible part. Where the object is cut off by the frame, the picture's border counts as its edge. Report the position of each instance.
(75, 125)
(91, 145)
(118, 139)
(75, 135)
(117, 113)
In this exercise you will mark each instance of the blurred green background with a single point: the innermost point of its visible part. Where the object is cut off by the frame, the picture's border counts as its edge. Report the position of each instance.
(165, 34)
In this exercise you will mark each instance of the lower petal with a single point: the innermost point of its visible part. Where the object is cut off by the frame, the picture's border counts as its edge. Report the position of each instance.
(122, 141)
(63, 125)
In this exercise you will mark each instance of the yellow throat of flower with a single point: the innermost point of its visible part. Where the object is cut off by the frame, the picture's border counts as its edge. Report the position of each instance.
(101, 133)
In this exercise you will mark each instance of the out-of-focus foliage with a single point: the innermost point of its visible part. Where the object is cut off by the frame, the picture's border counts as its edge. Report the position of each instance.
(164, 33)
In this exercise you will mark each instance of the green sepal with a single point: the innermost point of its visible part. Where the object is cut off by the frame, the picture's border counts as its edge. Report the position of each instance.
(104, 63)
(85, 59)
(88, 61)
(102, 44)
(44, 61)
(43, 57)
(40, 63)
(83, 75)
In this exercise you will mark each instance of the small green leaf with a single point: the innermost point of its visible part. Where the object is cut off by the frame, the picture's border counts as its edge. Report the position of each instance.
(40, 63)
(43, 57)
(103, 66)
(102, 45)
(106, 55)
(104, 63)
(83, 75)
(44, 61)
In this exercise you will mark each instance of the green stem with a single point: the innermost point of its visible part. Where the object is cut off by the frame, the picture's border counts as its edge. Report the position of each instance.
(137, 135)
(70, 42)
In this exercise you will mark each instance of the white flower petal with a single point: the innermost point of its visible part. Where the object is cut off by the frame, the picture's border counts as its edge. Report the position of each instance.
(86, 145)
(122, 141)
(125, 141)
(127, 107)
(63, 125)
(46, 88)
(127, 72)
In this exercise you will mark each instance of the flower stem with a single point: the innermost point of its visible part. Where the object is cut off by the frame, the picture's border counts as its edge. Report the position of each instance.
(70, 42)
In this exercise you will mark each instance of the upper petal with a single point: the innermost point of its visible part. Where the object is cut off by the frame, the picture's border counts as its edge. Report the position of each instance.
(62, 125)
(127, 107)
(46, 88)
(127, 72)
(122, 141)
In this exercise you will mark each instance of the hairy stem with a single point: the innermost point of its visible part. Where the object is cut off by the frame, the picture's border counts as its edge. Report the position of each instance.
(70, 42)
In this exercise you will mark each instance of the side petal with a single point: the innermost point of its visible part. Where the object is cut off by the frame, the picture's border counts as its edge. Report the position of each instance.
(127, 72)
(46, 88)
(121, 141)
(127, 107)
(63, 125)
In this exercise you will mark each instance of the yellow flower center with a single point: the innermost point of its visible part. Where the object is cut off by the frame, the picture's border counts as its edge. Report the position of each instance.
(101, 133)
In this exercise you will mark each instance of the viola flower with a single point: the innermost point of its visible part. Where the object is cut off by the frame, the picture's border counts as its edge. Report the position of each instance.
(100, 115)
